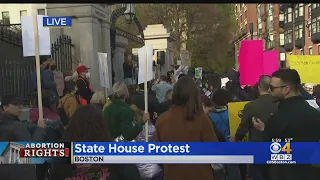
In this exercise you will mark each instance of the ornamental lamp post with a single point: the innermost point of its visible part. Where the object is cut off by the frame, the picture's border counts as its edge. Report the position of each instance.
(129, 14)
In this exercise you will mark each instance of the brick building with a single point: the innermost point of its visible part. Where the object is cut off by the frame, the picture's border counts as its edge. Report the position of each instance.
(267, 21)
(302, 28)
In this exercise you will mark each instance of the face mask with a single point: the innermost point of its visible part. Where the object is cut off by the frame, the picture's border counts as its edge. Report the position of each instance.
(88, 75)
(53, 67)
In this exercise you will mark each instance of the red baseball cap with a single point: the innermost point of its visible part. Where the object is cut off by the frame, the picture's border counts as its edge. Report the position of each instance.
(81, 68)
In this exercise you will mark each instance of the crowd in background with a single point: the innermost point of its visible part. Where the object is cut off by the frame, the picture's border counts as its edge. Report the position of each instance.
(180, 109)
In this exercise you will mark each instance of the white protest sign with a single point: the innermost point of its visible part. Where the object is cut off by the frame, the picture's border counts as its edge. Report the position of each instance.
(28, 40)
(224, 81)
(103, 70)
(145, 63)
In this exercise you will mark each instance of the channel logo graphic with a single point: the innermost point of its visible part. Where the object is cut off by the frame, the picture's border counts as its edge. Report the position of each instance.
(280, 153)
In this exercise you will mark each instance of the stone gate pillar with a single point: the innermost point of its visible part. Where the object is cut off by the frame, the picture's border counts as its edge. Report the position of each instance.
(90, 33)
(161, 40)
(119, 58)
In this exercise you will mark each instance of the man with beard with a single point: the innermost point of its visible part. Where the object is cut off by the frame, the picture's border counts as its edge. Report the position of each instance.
(295, 119)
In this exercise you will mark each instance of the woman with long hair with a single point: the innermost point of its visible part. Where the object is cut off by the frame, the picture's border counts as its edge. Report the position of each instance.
(87, 125)
(185, 122)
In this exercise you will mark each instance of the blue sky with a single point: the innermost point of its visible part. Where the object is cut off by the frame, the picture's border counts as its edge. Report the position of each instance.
(3, 146)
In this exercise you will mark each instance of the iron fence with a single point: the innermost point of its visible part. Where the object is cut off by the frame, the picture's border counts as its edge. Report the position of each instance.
(15, 70)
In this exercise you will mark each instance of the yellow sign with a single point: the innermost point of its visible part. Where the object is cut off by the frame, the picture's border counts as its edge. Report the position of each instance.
(307, 66)
(235, 114)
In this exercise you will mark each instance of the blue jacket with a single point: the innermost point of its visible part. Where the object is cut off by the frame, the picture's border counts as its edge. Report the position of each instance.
(47, 81)
(220, 118)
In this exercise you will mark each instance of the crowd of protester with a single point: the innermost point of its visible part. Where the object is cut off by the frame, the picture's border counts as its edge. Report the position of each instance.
(179, 110)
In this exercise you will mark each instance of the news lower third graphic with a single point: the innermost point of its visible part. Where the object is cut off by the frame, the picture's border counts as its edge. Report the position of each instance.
(57, 21)
(191, 152)
(33, 152)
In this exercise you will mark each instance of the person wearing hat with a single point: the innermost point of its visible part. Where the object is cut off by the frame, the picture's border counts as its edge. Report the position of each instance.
(12, 129)
(47, 78)
(84, 91)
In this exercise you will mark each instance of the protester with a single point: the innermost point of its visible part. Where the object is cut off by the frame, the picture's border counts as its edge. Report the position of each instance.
(214, 83)
(185, 122)
(84, 91)
(263, 108)
(207, 106)
(181, 70)
(87, 125)
(119, 116)
(54, 128)
(161, 87)
(229, 88)
(219, 114)
(236, 89)
(164, 106)
(68, 103)
(98, 100)
(295, 119)
(12, 129)
(153, 103)
(147, 171)
(58, 77)
(47, 79)
(128, 71)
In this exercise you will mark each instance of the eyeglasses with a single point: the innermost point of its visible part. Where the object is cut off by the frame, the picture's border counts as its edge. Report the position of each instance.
(275, 87)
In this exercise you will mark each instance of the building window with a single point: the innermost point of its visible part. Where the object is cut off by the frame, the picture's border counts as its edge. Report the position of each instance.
(309, 12)
(301, 9)
(6, 17)
(281, 39)
(310, 51)
(315, 25)
(41, 12)
(289, 18)
(241, 18)
(245, 14)
(281, 17)
(314, 5)
(236, 9)
(298, 31)
(282, 56)
(258, 10)
(288, 36)
(301, 52)
(23, 13)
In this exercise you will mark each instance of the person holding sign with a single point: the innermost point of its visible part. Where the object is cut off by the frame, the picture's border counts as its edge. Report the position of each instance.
(119, 116)
(84, 89)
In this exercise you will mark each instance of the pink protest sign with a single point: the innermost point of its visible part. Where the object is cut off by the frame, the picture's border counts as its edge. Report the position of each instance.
(270, 62)
(251, 61)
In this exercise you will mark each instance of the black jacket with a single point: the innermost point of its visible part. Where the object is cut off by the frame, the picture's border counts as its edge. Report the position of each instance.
(84, 89)
(261, 108)
(127, 70)
(153, 103)
(295, 119)
(11, 129)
